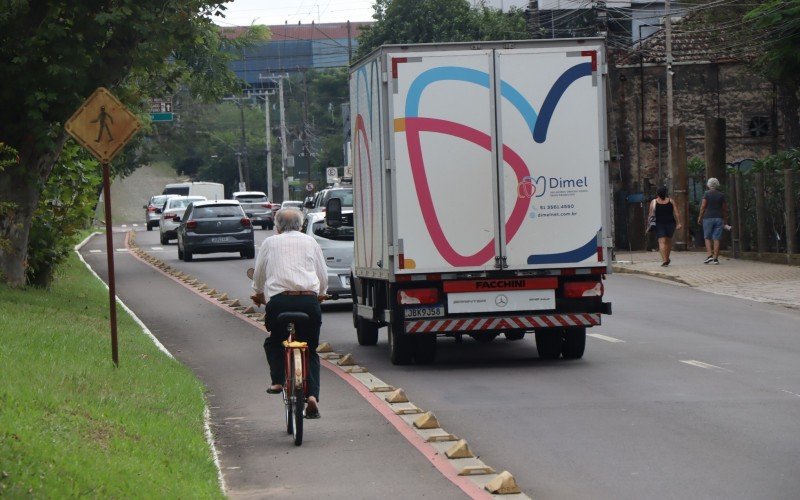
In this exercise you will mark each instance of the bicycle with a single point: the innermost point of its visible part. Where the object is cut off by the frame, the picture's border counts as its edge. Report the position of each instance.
(295, 385)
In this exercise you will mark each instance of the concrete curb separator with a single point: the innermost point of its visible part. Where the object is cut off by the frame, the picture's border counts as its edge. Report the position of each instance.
(663, 276)
(206, 413)
(367, 386)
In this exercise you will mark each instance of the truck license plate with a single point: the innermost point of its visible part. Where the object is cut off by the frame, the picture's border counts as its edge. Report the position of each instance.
(221, 239)
(423, 312)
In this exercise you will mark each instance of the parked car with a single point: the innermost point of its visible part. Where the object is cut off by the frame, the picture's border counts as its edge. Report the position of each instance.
(257, 206)
(173, 207)
(215, 226)
(337, 247)
(152, 210)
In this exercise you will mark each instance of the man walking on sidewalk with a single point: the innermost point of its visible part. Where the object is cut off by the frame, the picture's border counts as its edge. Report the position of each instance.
(713, 217)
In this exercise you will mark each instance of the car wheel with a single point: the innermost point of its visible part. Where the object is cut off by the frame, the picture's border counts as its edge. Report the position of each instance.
(149, 227)
(270, 226)
(180, 252)
(164, 239)
(187, 255)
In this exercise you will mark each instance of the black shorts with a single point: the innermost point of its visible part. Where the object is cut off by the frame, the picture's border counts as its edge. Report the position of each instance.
(665, 229)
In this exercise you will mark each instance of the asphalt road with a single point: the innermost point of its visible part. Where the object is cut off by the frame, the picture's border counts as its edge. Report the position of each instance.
(682, 394)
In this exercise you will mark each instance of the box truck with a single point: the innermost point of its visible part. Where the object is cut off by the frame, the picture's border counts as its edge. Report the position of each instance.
(481, 197)
(211, 190)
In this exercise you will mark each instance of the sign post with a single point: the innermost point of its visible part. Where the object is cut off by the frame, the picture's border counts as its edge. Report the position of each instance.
(103, 126)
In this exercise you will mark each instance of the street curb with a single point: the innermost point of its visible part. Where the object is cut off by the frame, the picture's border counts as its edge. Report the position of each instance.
(668, 277)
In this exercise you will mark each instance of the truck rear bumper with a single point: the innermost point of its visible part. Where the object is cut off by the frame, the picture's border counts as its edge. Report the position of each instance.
(502, 323)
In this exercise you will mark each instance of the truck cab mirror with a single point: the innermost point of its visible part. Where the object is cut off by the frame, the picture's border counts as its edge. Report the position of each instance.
(333, 212)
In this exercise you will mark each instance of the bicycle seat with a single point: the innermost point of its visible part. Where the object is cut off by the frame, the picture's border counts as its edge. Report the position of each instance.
(300, 319)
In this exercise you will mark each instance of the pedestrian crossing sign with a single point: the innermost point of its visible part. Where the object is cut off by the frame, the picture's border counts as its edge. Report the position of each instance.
(103, 125)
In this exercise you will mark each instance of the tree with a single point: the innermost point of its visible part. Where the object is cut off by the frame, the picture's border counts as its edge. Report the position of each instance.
(413, 21)
(780, 59)
(54, 54)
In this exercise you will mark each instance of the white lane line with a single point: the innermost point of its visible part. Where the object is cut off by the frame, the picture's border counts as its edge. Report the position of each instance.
(95, 251)
(122, 249)
(156, 248)
(124, 225)
(700, 364)
(790, 392)
(135, 225)
(604, 337)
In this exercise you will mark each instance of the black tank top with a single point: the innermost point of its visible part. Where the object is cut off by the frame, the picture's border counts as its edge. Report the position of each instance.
(665, 213)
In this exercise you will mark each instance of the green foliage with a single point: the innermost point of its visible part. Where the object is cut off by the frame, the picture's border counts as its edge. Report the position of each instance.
(65, 208)
(8, 158)
(780, 60)
(413, 21)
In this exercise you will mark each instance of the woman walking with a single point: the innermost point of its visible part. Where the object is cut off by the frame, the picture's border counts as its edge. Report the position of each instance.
(668, 219)
(713, 217)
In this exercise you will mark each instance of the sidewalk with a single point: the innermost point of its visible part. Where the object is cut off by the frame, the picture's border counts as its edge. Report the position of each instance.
(747, 279)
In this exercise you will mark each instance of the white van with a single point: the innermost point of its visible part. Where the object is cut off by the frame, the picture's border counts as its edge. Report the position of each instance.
(211, 190)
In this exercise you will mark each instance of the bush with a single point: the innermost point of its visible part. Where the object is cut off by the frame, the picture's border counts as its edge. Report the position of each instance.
(66, 207)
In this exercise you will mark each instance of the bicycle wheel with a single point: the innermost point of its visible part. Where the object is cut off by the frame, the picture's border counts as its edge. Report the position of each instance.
(298, 398)
(287, 412)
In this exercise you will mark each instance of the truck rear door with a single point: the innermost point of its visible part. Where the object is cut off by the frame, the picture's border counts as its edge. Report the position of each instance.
(443, 143)
(552, 182)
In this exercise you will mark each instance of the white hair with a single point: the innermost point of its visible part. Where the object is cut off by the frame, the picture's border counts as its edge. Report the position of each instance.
(713, 183)
(288, 219)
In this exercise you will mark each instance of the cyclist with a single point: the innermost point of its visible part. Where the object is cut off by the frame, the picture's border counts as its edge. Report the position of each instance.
(290, 275)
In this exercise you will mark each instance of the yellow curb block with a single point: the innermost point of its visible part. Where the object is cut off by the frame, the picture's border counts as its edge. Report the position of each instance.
(503, 484)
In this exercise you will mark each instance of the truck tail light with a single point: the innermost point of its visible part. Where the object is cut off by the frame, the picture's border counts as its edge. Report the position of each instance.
(245, 222)
(579, 289)
(192, 224)
(418, 296)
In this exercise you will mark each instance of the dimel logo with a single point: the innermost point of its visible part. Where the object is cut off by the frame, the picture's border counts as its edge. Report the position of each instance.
(536, 188)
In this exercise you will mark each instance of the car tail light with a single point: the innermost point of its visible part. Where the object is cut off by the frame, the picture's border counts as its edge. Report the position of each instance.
(151, 208)
(267, 205)
(169, 216)
(418, 296)
(578, 289)
(192, 224)
(245, 222)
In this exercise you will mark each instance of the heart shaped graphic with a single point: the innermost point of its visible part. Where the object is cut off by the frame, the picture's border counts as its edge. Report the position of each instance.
(413, 128)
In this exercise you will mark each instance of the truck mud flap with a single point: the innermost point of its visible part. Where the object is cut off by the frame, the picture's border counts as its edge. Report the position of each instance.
(527, 322)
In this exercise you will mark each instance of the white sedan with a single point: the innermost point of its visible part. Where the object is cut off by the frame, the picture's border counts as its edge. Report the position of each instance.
(174, 206)
(337, 248)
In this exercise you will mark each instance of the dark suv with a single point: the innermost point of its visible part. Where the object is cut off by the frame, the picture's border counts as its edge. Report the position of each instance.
(215, 226)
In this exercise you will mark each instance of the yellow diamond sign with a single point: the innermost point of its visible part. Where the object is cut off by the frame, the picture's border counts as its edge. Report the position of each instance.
(102, 125)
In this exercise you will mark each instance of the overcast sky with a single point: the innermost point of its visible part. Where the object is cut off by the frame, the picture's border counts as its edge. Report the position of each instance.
(246, 12)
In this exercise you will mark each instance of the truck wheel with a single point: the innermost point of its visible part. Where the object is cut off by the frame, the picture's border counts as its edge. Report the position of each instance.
(574, 342)
(485, 337)
(548, 342)
(514, 335)
(424, 349)
(366, 331)
(400, 346)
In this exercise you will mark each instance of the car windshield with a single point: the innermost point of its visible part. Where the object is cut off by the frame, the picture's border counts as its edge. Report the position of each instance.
(341, 233)
(296, 204)
(346, 195)
(181, 202)
(251, 198)
(215, 211)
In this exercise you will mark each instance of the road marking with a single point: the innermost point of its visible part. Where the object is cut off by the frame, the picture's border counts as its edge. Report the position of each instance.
(122, 249)
(124, 225)
(604, 337)
(157, 248)
(700, 364)
(135, 225)
(95, 251)
(790, 392)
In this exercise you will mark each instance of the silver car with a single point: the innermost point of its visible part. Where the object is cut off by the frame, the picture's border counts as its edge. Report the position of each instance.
(337, 247)
(152, 211)
(173, 207)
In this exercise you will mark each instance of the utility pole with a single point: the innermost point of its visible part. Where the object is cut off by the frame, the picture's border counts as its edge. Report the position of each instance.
(246, 179)
(265, 93)
(283, 141)
(306, 149)
(668, 60)
(350, 45)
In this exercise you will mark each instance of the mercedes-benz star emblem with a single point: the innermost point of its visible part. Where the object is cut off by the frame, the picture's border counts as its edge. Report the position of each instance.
(501, 300)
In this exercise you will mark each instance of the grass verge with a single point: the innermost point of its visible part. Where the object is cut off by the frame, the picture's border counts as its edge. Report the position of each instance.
(73, 425)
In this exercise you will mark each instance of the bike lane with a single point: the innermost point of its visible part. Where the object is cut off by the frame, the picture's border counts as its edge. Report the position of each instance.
(352, 452)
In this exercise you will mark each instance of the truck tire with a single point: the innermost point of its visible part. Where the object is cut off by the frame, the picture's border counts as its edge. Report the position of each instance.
(514, 335)
(484, 337)
(424, 349)
(401, 347)
(548, 342)
(574, 342)
(366, 331)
